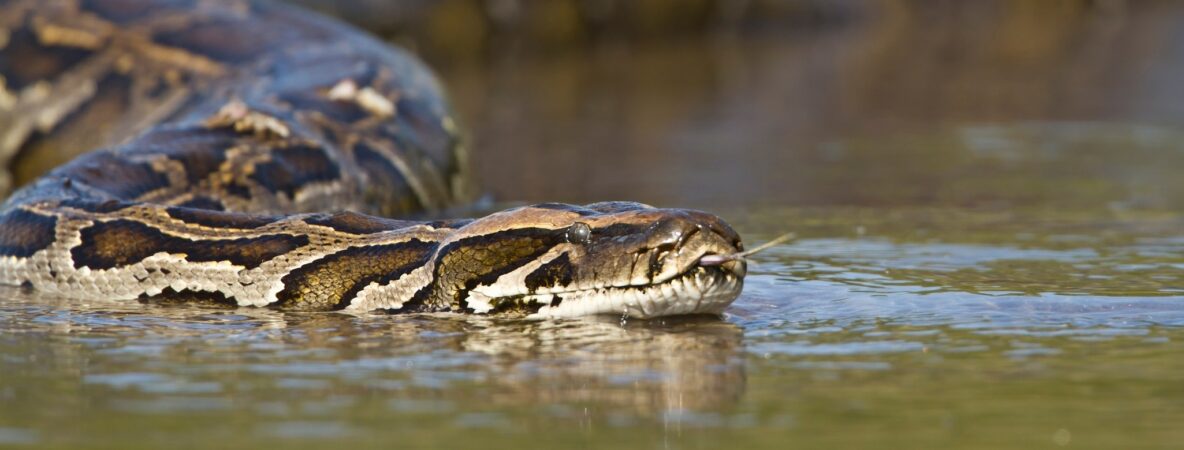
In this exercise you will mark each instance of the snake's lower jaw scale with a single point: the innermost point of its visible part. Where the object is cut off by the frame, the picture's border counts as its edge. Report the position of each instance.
(234, 126)
(691, 295)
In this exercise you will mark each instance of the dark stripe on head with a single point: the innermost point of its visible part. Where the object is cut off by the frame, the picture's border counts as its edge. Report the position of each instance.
(621, 229)
(121, 242)
(556, 272)
(354, 223)
(219, 219)
(330, 283)
(114, 174)
(293, 167)
(23, 233)
(465, 264)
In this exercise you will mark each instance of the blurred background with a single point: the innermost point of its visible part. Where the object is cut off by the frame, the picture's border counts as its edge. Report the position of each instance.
(716, 103)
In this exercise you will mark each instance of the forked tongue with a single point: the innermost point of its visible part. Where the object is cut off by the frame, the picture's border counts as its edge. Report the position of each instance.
(715, 260)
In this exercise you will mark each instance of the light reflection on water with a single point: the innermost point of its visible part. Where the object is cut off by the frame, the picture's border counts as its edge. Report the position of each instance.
(896, 324)
(991, 257)
(924, 325)
(832, 336)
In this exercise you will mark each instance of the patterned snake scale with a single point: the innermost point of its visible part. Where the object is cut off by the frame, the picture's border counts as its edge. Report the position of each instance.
(224, 126)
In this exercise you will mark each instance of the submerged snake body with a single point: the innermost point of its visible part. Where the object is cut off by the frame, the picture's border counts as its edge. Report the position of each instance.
(224, 125)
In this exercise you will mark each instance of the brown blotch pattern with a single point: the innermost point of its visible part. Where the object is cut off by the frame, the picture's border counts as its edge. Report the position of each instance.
(556, 272)
(200, 150)
(106, 245)
(479, 260)
(219, 219)
(23, 233)
(114, 174)
(295, 167)
(330, 283)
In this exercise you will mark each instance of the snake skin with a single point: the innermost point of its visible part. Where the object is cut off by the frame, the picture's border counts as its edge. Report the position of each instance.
(224, 128)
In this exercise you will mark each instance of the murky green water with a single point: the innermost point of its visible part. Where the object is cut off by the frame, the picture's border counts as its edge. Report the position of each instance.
(988, 258)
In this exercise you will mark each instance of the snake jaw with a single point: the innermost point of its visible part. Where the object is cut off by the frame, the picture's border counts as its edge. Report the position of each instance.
(693, 289)
(703, 290)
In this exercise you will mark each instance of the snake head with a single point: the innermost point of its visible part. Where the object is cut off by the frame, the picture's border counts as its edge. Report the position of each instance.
(556, 260)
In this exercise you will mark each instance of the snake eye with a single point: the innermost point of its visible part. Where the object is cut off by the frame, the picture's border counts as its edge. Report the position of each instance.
(579, 233)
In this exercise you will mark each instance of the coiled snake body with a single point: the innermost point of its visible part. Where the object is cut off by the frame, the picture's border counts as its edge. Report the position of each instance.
(225, 125)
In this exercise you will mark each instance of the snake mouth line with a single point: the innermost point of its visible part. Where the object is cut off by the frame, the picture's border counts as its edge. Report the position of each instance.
(699, 290)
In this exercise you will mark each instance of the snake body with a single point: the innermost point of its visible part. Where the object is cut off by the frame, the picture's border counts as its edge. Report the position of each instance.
(223, 127)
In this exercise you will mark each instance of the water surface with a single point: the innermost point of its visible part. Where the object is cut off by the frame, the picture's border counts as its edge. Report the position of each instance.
(859, 334)
(991, 255)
